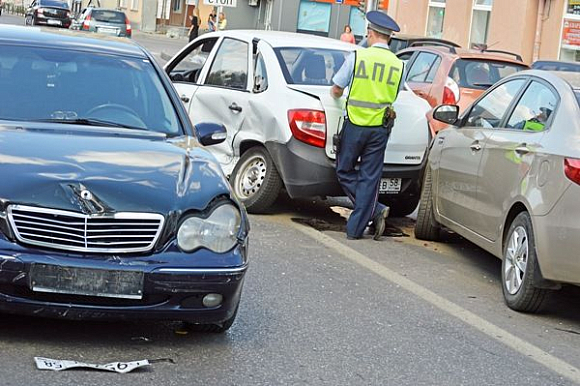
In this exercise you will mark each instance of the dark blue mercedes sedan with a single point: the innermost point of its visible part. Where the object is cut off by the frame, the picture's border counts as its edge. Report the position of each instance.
(110, 208)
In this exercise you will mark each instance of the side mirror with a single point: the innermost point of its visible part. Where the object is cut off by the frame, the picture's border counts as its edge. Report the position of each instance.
(446, 114)
(210, 133)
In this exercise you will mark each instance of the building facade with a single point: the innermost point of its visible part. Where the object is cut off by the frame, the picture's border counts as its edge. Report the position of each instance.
(535, 29)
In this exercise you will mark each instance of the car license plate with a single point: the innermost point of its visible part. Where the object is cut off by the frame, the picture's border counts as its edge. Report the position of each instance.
(390, 185)
(104, 30)
(88, 282)
(53, 22)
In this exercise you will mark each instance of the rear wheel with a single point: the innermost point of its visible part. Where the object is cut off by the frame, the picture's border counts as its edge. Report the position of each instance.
(426, 228)
(255, 180)
(519, 266)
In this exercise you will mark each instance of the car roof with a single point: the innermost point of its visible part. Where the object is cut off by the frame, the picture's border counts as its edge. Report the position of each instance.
(279, 39)
(69, 40)
(410, 37)
(463, 53)
(573, 78)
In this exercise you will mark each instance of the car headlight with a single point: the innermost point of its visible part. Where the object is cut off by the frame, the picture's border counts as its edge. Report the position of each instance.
(218, 232)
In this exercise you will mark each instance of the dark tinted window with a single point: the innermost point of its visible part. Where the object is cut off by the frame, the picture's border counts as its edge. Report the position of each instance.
(230, 66)
(421, 67)
(107, 16)
(53, 3)
(489, 111)
(398, 44)
(40, 84)
(313, 66)
(481, 74)
(556, 66)
(533, 109)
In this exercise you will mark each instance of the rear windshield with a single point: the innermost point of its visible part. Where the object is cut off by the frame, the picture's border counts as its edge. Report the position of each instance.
(556, 66)
(481, 74)
(397, 44)
(108, 16)
(54, 3)
(38, 84)
(311, 66)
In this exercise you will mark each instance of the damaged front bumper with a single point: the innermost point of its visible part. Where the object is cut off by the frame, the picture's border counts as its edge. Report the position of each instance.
(172, 285)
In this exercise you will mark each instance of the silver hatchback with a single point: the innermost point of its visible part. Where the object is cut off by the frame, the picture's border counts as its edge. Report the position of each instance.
(506, 176)
(105, 21)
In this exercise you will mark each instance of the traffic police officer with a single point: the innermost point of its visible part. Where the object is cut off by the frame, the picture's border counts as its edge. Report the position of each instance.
(374, 75)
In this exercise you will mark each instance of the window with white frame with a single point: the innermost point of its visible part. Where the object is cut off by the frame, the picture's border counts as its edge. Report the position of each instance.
(123, 3)
(435, 18)
(570, 44)
(176, 5)
(135, 4)
(480, 22)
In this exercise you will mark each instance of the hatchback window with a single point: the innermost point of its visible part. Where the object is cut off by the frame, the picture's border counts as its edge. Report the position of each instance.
(230, 66)
(108, 16)
(480, 74)
(312, 66)
(397, 44)
(534, 109)
(422, 66)
(53, 3)
(489, 111)
(61, 85)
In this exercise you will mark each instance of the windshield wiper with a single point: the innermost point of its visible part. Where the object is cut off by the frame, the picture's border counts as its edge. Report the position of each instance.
(90, 122)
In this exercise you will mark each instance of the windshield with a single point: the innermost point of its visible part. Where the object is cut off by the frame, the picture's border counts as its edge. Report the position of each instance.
(47, 84)
(109, 16)
(311, 66)
(481, 74)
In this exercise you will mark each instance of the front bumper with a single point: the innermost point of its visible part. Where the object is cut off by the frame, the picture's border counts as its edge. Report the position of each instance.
(307, 172)
(174, 284)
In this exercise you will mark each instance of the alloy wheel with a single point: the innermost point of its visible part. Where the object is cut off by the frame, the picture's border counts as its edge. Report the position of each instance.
(516, 260)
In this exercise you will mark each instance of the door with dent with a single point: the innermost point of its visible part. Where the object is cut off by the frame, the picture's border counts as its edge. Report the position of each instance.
(507, 167)
(224, 95)
(461, 153)
(185, 71)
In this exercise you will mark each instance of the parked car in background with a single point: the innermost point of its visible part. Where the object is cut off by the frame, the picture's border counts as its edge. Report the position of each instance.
(449, 75)
(272, 91)
(506, 176)
(555, 65)
(54, 13)
(402, 41)
(112, 209)
(105, 21)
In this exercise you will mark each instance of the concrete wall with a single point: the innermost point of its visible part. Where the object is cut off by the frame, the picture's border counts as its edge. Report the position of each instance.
(411, 15)
(457, 23)
(552, 30)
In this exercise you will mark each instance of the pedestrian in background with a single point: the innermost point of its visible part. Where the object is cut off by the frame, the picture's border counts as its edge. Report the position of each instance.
(194, 29)
(374, 75)
(211, 23)
(347, 35)
(222, 22)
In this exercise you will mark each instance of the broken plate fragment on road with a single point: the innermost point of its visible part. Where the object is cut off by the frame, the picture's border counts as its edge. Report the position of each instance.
(59, 365)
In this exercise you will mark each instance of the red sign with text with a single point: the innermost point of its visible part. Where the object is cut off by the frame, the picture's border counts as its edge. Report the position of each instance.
(571, 33)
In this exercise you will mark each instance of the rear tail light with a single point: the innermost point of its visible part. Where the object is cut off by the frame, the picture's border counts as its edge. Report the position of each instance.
(308, 126)
(450, 92)
(68, 14)
(87, 23)
(572, 169)
(128, 26)
(40, 11)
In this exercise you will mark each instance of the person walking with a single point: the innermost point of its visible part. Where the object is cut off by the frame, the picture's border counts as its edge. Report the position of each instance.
(211, 23)
(194, 20)
(222, 22)
(347, 35)
(374, 75)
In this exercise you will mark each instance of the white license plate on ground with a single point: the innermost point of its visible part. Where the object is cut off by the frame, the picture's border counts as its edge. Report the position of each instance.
(390, 185)
(53, 22)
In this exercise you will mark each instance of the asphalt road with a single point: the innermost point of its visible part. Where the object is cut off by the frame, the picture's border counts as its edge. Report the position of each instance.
(320, 310)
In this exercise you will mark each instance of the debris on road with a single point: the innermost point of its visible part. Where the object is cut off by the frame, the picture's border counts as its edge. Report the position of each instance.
(59, 365)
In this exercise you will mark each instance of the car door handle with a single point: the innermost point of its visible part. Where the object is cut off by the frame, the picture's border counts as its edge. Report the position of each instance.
(184, 98)
(522, 149)
(475, 147)
(234, 107)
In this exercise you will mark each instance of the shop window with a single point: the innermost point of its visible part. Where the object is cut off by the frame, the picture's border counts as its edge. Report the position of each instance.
(357, 22)
(480, 23)
(314, 18)
(570, 47)
(435, 18)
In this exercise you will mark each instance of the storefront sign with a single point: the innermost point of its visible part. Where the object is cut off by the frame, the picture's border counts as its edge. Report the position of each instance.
(571, 34)
(221, 3)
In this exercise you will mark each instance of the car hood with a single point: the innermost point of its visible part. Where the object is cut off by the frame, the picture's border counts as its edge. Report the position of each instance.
(123, 171)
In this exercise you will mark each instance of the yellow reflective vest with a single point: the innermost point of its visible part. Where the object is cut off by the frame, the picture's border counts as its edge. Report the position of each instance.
(374, 87)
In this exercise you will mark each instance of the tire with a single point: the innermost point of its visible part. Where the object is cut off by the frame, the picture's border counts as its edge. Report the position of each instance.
(255, 180)
(519, 266)
(213, 328)
(426, 228)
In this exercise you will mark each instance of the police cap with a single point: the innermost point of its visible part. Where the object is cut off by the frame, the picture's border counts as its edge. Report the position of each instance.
(382, 23)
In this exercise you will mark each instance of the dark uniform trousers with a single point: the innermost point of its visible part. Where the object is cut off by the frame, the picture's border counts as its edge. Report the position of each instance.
(362, 185)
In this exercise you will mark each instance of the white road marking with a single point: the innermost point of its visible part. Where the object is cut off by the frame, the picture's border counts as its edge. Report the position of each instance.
(529, 350)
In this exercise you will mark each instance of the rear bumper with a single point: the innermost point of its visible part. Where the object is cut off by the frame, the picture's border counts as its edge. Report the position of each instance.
(307, 172)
